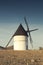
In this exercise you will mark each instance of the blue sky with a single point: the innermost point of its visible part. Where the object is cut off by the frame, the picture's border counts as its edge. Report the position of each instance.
(12, 13)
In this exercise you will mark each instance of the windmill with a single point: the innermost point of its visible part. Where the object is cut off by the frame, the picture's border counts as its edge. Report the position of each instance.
(21, 34)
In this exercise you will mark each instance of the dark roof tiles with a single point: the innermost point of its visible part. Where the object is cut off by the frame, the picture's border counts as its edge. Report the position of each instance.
(20, 31)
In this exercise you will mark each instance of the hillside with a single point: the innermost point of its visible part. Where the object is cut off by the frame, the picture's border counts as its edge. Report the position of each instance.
(29, 57)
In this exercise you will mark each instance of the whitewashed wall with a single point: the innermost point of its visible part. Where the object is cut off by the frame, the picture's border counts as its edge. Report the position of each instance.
(20, 42)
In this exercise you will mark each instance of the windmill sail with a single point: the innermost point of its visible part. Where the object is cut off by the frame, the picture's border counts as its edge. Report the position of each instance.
(28, 31)
(33, 30)
(10, 40)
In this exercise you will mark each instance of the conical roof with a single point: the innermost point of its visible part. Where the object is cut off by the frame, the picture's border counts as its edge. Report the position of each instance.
(20, 31)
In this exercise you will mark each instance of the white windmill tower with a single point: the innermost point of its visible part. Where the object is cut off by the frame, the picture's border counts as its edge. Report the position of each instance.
(21, 37)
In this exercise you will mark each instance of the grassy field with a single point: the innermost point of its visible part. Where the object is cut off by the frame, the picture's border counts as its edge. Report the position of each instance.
(29, 57)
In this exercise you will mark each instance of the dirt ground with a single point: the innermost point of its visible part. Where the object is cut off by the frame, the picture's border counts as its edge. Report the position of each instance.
(28, 57)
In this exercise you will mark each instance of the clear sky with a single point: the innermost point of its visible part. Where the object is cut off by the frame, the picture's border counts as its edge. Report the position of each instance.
(12, 13)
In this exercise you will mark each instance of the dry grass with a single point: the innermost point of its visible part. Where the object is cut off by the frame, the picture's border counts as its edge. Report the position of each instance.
(29, 57)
